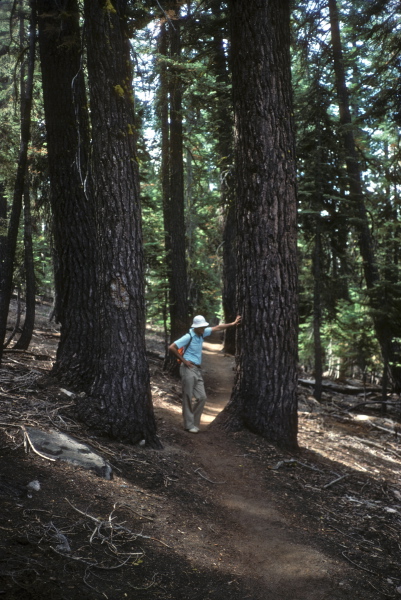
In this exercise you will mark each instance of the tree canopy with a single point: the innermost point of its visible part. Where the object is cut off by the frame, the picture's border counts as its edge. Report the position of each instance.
(179, 134)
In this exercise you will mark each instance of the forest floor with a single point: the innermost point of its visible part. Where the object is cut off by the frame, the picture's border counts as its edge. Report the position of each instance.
(211, 516)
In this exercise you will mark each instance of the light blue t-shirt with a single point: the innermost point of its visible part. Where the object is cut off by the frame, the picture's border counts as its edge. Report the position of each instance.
(194, 351)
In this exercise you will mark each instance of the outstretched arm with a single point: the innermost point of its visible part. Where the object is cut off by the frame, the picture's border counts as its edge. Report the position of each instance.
(227, 325)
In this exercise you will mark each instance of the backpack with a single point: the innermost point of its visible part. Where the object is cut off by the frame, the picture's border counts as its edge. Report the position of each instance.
(185, 348)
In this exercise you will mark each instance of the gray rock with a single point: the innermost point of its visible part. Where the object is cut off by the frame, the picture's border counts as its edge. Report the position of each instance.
(55, 445)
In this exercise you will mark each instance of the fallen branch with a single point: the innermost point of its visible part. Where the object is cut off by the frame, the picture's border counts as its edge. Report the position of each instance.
(10, 397)
(390, 431)
(335, 481)
(92, 564)
(359, 566)
(134, 511)
(29, 352)
(116, 527)
(370, 402)
(28, 444)
(351, 537)
(339, 389)
(380, 592)
(207, 479)
(368, 442)
(296, 462)
(351, 419)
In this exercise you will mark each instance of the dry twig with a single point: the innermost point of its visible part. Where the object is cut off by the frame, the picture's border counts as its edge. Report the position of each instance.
(116, 527)
(335, 481)
(207, 479)
(359, 566)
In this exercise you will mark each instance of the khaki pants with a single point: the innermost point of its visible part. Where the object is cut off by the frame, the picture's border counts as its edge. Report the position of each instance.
(192, 387)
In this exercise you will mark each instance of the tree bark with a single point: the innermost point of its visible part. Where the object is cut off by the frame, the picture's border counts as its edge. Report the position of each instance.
(119, 402)
(229, 299)
(74, 228)
(317, 310)
(30, 285)
(173, 189)
(225, 152)
(264, 396)
(176, 219)
(3, 223)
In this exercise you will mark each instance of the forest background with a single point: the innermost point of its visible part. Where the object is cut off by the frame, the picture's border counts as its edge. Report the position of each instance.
(347, 115)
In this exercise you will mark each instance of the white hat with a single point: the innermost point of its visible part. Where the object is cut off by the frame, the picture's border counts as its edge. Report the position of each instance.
(199, 321)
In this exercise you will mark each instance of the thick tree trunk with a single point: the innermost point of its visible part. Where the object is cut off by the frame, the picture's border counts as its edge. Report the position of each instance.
(6, 276)
(264, 397)
(119, 402)
(74, 230)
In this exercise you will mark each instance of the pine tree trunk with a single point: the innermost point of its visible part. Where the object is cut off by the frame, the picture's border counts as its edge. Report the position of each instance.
(176, 218)
(6, 276)
(163, 106)
(3, 224)
(173, 207)
(264, 396)
(163, 113)
(225, 153)
(119, 402)
(29, 322)
(74, 231)
(229, 298)
(317, 312)
(30, 289)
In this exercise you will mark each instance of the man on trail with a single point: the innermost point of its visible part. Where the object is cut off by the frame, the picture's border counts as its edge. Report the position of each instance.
(190, 357)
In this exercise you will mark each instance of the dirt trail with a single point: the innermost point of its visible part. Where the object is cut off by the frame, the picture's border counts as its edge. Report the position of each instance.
(219, 515)
(259, 544)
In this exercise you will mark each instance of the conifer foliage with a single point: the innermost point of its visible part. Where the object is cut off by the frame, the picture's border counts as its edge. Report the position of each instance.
(177, 196)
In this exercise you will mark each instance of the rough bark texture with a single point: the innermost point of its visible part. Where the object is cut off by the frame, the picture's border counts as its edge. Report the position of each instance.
(67, 131)
(163, 114)
(3, 223)
(176, 219)
(119, 402)
(225, 149)
(229, 299)
(264, 395)
(173, 182)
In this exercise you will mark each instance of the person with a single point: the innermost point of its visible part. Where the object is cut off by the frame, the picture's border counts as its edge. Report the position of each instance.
(190, 369)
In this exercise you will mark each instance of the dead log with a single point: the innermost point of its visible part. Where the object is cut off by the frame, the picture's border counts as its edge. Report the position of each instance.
(338, 388)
